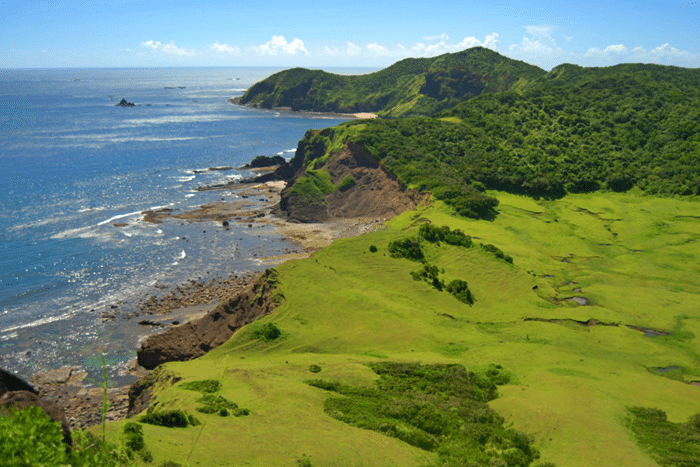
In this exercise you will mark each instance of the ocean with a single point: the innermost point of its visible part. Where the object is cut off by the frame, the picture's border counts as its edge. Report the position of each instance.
(73, 164)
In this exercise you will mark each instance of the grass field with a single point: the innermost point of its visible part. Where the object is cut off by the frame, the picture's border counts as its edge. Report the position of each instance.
(634, 259)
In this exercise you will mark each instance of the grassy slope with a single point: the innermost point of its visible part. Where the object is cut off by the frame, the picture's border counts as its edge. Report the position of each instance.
(414, 86)
(345, 306)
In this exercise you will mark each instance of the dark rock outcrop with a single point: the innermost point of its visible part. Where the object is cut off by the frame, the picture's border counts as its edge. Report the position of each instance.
(24, 399)
(376, 191)
(196, 338)
(265, 161)
(10, 382)
(124, 103)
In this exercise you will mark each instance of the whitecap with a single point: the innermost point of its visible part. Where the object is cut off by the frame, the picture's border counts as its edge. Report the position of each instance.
(120, 216)
(190, 195)
(183, 254)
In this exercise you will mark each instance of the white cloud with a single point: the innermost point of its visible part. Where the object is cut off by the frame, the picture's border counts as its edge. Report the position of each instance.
(330, 50)
(539, 49)
(280, 44)
(152, 44)
(353, 49)
(171, 48)
(377, 49)
(225, 48)
(608, 52)
(539, 30)
(421, 50)
(614, 54)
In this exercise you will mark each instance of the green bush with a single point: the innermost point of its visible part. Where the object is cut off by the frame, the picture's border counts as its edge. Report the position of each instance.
(460, 290)
(438, 408)
(496, 251)
(429, 273)
(170, 419)
(372, 249)
(220, 405)
(315, 369)
(434, 234)
(30, 437)
(208, 385)
(267, 332)
(408, 248)
(670, 444)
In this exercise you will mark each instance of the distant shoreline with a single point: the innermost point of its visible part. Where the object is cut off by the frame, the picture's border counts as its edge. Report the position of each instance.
(307, 113)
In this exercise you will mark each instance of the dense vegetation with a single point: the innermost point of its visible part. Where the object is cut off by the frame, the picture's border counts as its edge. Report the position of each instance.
(438, 408)
(574, 130)
(670, 444)
(414, 86)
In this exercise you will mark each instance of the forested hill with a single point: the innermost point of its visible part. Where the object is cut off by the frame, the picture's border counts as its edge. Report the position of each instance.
(414, 86)
(575, 130)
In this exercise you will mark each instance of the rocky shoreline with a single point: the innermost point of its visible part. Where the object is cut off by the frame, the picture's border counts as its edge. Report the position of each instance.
(200, 315)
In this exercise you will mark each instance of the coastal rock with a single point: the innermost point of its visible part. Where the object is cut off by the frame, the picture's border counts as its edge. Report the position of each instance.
(196, 338)
(23, 399)
(374, 192)
(10, 382)
(265, 161)
(124, 103)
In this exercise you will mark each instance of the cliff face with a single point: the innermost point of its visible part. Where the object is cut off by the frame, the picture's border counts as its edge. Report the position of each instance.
(196, 338)
(361, 186)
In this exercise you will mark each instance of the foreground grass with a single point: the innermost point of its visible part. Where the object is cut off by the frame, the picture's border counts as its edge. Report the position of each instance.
(634, 258)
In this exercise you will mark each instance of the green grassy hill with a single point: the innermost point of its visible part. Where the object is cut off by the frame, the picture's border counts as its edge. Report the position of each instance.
(575, 130)
(633, 258)
(414, 86)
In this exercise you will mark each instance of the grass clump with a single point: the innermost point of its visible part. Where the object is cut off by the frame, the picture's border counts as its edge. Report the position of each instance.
(437, 408)
(313, 186)
(210, 386)
(267, 332)
(220, 405)
(346, 182)
(170, 419)
(670, 444)
(315, 368)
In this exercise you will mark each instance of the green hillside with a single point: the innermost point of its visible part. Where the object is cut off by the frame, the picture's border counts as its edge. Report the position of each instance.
(414, 86)
(575, 130)
(323, 389)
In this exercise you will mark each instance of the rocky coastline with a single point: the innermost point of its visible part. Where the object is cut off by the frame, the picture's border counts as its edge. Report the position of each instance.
(199, 316)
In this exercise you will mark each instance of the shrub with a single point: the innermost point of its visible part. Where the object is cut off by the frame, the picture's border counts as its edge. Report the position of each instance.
(207, 385)
(170, 419)
(496, 251)
(220, 405)
(408, 248)
(314, 369)
(30, 437)
(434, 234)
(429, 273)
(460, 290)
(268, 332)
(438, 408)
(372, 249)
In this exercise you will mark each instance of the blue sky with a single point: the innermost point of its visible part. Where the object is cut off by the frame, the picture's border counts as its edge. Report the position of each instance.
(353, 33)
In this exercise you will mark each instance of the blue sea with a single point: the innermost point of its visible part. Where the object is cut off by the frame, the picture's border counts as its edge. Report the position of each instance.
(72, 164)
